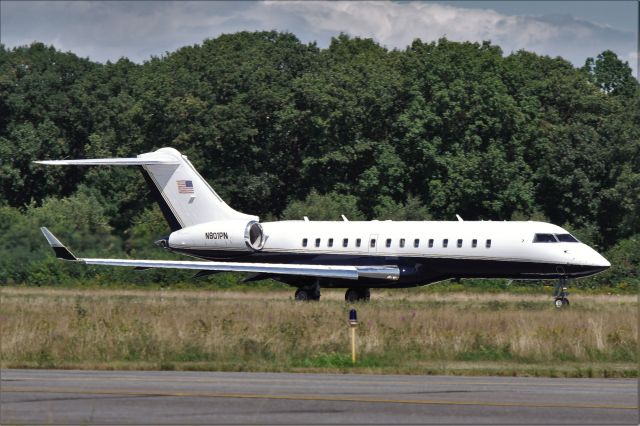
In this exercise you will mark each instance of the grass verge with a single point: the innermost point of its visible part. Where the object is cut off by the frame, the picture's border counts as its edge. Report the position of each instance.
(401, 332)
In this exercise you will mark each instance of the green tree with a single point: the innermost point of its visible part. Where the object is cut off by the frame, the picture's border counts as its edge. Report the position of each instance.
(324, 207)
(610, 74)
(430, 131)
(79, 221)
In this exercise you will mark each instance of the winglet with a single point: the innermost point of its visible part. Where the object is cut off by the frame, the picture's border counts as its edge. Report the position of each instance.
(61, 251)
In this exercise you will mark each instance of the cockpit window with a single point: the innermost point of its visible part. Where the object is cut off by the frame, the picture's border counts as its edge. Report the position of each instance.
(566, 238)
(544, 238)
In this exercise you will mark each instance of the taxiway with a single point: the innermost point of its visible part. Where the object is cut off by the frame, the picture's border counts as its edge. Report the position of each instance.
(157, 397)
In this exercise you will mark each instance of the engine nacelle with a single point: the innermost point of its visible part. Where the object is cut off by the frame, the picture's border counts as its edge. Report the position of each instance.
(234, 235)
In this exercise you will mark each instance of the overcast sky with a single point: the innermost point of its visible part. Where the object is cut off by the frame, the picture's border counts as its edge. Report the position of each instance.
(105, 31)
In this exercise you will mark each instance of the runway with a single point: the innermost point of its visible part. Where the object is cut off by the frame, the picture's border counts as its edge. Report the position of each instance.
(166, 397)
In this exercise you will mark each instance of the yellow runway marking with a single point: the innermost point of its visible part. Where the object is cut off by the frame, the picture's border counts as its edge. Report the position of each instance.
(316, 398)
(253, 380)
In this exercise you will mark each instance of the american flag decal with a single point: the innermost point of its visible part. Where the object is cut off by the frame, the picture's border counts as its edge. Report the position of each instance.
(185, 186)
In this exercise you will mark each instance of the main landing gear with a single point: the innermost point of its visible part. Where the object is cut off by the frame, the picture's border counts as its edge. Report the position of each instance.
(560, 294)
(305, 294)
(312, 292)
(357, 295)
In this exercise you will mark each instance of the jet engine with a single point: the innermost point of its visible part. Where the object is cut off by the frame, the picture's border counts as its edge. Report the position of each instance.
(234, 235)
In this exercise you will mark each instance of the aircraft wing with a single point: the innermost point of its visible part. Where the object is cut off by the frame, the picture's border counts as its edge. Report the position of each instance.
(349, 272)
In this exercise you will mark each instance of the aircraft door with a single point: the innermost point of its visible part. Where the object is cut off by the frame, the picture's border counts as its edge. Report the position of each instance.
(373, 243)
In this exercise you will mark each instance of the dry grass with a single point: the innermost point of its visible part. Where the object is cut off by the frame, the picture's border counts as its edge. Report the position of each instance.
(400, 332)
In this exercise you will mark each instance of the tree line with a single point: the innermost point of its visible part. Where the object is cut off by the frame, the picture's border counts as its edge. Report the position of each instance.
(283, 129)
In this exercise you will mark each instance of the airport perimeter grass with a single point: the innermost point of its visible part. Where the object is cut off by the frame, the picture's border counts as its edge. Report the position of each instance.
(401, 331)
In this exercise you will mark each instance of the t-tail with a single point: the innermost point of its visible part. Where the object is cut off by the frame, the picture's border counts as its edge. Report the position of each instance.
(185, 198)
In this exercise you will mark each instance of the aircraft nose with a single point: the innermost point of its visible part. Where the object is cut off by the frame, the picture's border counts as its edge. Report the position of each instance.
(589, 257)
(586, 261)
(595, 259)
(602, 262)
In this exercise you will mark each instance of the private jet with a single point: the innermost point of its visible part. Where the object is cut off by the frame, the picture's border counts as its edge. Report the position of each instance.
(355, 255)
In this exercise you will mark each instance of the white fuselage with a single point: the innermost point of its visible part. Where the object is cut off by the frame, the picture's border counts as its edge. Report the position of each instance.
(502, 241)
(429, 251)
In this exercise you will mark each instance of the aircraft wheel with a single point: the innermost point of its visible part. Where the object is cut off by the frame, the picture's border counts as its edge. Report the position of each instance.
(302, 295)
(561, 302)
(315, 296)
(357, 295)
(366, 295)
(351, 295)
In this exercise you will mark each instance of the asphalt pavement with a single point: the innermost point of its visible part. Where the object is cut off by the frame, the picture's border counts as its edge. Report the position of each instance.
(168, 397)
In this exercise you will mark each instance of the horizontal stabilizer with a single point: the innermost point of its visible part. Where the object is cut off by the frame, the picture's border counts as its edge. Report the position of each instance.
(111, 162)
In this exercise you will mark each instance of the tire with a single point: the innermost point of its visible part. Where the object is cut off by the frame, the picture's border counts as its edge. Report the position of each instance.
(357, 295)
(559, 303)
(366, 295)
(565, 303)
(352, 295)
(302, 295)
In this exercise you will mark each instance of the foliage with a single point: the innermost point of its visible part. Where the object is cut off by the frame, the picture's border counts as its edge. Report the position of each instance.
(625, 266)
(78, 220)
(324, 207)
(284, 129)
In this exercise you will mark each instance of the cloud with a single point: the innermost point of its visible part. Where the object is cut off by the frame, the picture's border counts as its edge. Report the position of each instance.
(109, 30)
(396, 25)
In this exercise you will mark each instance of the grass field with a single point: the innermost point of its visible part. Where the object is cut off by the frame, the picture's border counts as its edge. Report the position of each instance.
(401, 331)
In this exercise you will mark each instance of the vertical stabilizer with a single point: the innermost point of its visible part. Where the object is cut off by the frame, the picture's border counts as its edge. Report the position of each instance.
(185, 198)
(184, 193)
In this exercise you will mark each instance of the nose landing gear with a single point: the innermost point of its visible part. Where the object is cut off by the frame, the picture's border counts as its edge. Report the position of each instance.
(560, 294)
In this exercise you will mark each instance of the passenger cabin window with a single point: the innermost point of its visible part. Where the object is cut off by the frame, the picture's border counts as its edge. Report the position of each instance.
(345, 242)
(431, 243)
(445, 242)
(488, 244)
(459, 243)
(544, 238)
(388, 242)
(330, 242)
(358, 241)
(373, 243)
(401, 242)
(304, 242)
(474, 243)
(567, 238)
(317, 242)
(416, 243)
